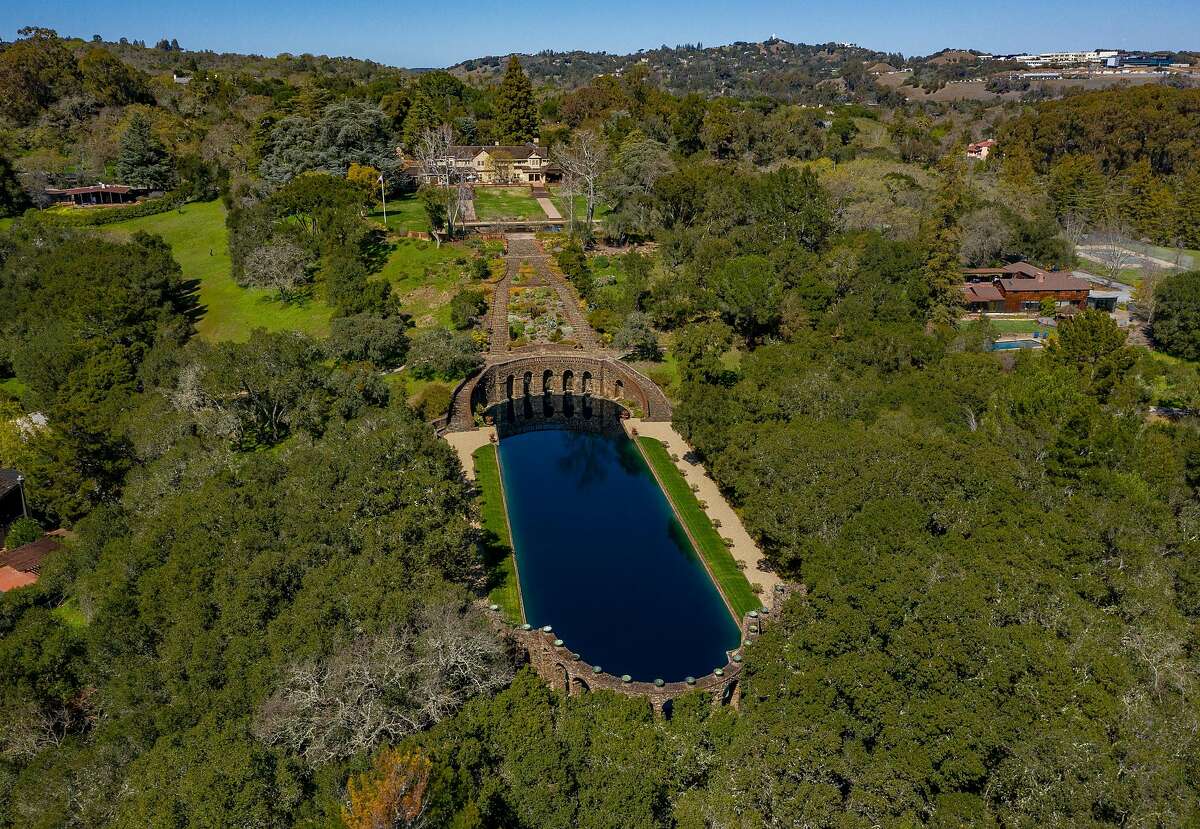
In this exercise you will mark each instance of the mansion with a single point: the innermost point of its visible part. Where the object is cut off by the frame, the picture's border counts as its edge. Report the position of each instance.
(497, 164)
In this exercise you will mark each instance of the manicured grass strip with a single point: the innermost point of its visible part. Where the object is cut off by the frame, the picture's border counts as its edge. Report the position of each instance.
(499, 203)
(498, 550)
(730, 579)
(1006, 326)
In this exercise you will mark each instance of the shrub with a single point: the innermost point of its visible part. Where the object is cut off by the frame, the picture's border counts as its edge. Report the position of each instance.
(438, 352)
(22, 531)
(433, 401)
(465, 307)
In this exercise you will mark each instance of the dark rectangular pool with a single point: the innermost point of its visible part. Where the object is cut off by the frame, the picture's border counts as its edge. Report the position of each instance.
(600, 554)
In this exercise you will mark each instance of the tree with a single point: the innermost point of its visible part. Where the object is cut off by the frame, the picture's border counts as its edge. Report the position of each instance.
(13, 199)
(391, 795)
(584, 161)
(637, 337)
(22, 531)
(381, 341)
(111, 81)
(699, 349)
(516, 109)
(942, 240)
(749, 292)
(445, 190)
(1176, 326)
(143, 160)
(439, 352)
(282, 265)
(35, 71)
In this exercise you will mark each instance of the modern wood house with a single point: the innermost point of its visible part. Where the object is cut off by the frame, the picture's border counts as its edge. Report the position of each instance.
(96, 194)
(1021, 287)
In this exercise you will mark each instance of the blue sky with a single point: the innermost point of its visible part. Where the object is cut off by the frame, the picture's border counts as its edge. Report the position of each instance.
(419, 34)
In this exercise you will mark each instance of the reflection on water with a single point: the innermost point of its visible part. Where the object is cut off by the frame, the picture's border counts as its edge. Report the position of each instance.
(601, 555)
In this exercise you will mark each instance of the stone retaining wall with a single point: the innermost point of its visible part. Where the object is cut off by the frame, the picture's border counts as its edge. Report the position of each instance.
(566, 671)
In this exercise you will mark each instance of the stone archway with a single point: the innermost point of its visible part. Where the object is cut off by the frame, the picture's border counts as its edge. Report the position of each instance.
(528, 383)
(547, 381)
(568, 381)
(508, 387)
(586, 384)
(564, 677)
(579, 686)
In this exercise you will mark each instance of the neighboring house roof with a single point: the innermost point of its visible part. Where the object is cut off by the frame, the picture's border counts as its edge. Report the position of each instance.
(28, 558)
(10, 479)
(981, 292)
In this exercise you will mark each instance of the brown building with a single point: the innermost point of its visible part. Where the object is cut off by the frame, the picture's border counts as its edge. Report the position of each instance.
(96, 194)
(20, 567)
(1021, 287)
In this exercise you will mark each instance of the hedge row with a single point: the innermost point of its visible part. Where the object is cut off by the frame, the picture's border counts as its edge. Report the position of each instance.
(109, 215)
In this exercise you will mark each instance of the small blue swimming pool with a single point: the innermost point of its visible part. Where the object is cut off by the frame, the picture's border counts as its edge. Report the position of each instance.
(1010, 345)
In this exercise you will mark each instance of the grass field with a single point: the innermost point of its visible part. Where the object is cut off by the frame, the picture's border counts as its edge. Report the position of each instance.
(405, 213)
(426, 277)
(498, 203)
(720, 561)
(561, 202)
(12, 387)
(199, 240)
(498, 550)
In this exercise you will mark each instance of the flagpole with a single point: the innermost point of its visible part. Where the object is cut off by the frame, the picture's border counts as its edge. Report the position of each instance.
(383, 195)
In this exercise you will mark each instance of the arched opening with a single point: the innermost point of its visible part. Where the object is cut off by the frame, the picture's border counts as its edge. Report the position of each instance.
(586, 387)
(727, 694)
(578, 686)
(560, 671)
(667, 707)
(528, 383)
(508, 387)
(619, 390)
(547, 381)
(568, 381)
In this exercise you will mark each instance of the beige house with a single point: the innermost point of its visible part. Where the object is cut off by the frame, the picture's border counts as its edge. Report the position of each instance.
(500, 163)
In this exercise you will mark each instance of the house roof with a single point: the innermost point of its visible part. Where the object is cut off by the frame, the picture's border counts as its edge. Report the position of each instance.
(28, 558)
(1044, 282)
(92, 188)
(9, 480)
(981, 292)
(517, 152)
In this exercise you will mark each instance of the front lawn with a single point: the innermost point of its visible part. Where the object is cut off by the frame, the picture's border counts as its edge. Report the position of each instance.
(498, 549)
(506, 204)
(200, 242)
(721, 564)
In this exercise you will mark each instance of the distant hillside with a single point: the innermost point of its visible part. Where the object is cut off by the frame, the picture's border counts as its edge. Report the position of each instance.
(772, 67)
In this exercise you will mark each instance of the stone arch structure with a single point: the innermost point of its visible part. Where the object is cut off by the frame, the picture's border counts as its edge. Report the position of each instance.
(527, 383)
(585, 385)
(579, 686)
(602, 377)
(564, 678)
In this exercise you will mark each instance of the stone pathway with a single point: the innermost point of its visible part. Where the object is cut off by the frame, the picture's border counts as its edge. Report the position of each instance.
(743, 548)
(549, 209)
(466, 207)
(524, 247)
(465, 444)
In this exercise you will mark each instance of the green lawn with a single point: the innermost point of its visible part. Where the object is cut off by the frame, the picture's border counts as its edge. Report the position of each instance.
(720, 561)
(1018, 326)
(199, 240)
(405, 213)
(498, 203)
(498, 550)
(70, 615)
(12, 387)
(560, 201)
(426, 277)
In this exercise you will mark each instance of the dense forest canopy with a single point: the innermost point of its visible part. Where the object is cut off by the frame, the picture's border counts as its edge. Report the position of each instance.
(267, 611)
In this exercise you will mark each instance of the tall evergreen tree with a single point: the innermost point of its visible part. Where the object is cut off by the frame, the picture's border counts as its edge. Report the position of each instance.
(942, 239)
(1187, 196)
(517, 116)
(420, 117)
(143, 160)
(13, 200)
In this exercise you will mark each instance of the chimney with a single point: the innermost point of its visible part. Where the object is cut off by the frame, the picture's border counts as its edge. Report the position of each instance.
(535, 140)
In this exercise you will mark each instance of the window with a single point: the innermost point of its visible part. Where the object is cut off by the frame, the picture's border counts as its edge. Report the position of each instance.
(1035, 305)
